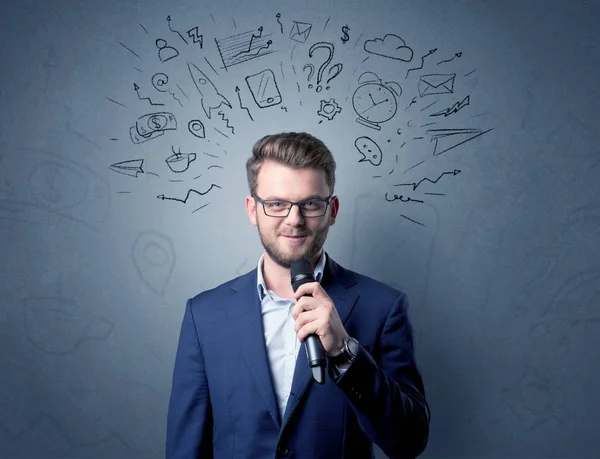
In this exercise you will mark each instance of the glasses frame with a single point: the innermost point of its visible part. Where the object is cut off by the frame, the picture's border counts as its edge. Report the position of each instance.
(327, 201)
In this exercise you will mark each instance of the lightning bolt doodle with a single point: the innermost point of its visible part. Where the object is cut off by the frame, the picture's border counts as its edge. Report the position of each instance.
(415, 185)
(237, 90)
(431, 51)
(195, 36)
(456, 107)
(190, 191)
(137, 90)
(226, 121)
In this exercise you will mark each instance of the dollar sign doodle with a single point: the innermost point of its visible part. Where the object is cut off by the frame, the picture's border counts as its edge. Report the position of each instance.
(346, 37)
(155, 121)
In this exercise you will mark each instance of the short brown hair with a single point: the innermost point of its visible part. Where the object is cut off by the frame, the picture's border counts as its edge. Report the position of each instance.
(297, 150)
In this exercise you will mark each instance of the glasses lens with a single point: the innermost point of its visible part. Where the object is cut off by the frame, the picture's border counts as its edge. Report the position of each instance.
(277, 208)
(313, 208)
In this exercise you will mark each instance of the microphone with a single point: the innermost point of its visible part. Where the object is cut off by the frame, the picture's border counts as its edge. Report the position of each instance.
(302, 272)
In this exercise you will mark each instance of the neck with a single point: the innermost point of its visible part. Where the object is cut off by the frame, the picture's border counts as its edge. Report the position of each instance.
(278, 279)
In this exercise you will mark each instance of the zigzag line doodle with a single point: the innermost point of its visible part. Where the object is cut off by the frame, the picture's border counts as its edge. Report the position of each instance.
(226, 121)
(137, 91)
(415, 185)
(237, 90)
(190, 191)
(431, 51)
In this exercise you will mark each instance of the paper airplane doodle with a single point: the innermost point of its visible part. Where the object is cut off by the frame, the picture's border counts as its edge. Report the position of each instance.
(132, 167)
(447, 139)
(211, 99)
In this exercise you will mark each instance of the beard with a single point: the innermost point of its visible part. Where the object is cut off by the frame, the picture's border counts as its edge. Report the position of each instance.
(270, 243)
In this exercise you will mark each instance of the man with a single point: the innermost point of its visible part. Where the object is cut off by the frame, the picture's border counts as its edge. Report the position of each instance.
(242, 386)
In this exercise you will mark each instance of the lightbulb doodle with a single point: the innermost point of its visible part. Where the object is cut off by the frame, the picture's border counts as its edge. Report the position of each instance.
(278, 68)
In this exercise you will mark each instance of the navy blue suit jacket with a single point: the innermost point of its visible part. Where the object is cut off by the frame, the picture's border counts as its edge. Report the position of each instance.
(223, 404)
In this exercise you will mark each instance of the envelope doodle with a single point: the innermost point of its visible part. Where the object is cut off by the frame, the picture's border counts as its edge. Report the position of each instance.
(436, 84)
(300, 31)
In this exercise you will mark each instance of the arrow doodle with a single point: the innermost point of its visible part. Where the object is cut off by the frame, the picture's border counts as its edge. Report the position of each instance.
(237, 90)
(137, 91)
(190, 191)
(415, 185)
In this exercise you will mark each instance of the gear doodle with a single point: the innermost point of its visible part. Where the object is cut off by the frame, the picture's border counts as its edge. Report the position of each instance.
(329, 109)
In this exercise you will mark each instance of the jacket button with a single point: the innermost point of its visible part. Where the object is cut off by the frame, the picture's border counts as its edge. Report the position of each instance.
(282, 450)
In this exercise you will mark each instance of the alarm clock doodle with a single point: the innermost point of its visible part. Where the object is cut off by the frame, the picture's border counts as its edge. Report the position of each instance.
(374, 101)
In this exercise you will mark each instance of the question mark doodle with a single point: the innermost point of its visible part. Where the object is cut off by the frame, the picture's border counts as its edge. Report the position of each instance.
(338, 67)
(312, 71)
(330, 49)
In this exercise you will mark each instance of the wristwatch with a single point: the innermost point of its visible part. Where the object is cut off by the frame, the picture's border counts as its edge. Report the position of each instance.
(349, 352)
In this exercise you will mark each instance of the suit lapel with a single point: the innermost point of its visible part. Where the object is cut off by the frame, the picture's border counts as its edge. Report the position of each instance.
(247, 330)
(336, 282)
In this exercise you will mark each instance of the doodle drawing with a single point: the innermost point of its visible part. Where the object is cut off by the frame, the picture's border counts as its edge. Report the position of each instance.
(436, 84)
(300, 31)
(264, 89)
(329, 108)
(375, 101)
(180, 162)
(165, 52)
(369, 150)
(390, 46)
(447, 139)
(243, 47)
(132, 167)
(211, 99)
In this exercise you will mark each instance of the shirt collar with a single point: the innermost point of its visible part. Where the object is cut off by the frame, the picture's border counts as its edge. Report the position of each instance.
(262, 288)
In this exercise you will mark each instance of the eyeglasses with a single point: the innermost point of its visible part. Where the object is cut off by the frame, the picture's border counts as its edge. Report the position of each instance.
(309, 208)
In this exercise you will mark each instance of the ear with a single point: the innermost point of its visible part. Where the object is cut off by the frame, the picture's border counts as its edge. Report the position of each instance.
(335, 207)
(251, 209)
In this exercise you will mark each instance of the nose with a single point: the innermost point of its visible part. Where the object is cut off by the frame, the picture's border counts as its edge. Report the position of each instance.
(295, 217)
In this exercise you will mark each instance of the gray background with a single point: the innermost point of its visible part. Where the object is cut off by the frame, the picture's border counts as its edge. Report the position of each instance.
(500, 259)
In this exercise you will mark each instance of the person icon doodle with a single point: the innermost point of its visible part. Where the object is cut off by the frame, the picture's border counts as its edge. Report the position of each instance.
(165, 52)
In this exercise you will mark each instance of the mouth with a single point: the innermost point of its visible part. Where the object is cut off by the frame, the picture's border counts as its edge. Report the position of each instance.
(294, 237)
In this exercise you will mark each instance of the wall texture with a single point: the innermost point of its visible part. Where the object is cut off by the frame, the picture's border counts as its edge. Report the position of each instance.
(466, 137)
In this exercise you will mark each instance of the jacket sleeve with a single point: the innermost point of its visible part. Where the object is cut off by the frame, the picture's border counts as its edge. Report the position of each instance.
(388, 396)
(189, 418)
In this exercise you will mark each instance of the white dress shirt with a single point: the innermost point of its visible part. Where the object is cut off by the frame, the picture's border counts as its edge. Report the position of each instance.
(280, 338)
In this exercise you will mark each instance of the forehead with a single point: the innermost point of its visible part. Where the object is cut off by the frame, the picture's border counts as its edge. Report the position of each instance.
(277, 180)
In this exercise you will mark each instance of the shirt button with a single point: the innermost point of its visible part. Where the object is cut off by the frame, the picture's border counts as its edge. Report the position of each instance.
(290, 352)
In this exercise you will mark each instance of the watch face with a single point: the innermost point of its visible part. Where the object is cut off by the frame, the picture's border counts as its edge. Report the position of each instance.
(374, 102)
(352, 346)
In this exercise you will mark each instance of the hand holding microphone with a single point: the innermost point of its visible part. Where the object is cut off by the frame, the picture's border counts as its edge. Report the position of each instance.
(317, 320)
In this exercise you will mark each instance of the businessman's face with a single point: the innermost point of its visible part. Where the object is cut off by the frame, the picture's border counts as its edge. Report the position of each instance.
(291, 238)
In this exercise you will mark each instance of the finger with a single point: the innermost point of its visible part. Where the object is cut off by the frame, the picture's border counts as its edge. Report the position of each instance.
(305, 318)
(306, 303)
(310, 328)
(307, 289)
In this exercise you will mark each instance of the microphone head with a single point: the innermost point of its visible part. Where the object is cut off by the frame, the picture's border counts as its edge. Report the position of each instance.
(301, 272)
